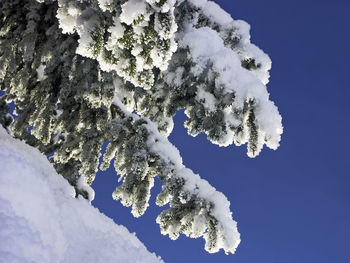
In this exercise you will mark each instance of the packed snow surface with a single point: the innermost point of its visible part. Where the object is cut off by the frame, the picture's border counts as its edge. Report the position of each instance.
(41, 221)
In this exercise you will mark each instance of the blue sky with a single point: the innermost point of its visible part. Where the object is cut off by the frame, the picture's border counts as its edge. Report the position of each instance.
(293, 204)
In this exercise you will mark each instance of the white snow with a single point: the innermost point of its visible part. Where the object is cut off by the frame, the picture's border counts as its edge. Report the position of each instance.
(245, 48)
(213, 11)
(167, 5)
(104, 4)
(67, 15)
(206, 46)
(117, 30)
(132, 10)
(41, 72)
(41, 221)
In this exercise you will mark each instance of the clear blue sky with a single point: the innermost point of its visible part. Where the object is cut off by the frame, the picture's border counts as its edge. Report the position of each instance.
(292, 205)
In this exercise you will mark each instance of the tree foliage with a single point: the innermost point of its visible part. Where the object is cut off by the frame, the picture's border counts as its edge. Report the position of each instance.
(84, 73)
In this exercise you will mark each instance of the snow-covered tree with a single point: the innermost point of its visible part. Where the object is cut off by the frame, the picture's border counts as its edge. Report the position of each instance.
(87, 72)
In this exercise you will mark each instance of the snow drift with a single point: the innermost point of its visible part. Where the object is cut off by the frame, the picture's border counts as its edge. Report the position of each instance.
(40, 221)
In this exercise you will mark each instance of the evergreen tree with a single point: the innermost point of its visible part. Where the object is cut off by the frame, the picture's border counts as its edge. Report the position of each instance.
(83, 73)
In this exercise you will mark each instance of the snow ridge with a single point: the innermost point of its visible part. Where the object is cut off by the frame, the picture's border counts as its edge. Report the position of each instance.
(41, 221)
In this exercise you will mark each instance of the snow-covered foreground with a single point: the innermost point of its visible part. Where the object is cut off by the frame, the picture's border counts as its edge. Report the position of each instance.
(40, 221)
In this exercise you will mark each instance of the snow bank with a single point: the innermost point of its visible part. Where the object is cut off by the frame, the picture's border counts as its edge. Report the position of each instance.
(40, 221)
